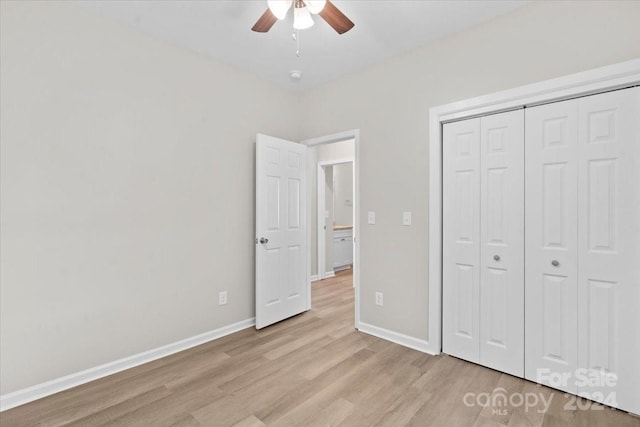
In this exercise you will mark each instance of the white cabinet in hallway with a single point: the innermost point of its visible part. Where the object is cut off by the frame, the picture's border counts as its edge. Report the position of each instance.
(342, 248)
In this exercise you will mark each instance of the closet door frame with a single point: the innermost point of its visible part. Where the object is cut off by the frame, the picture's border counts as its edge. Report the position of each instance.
(617, 76)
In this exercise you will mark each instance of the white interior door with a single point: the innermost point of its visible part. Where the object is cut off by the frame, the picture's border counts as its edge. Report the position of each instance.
(461, 239)
(580, 230)
(609, 247)
(282, 279)
(551, 319)
(502, 242)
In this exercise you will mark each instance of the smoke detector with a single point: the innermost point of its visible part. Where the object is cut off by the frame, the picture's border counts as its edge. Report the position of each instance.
(295, 75)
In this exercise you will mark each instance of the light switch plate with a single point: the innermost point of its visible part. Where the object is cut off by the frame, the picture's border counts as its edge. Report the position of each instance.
(406, 218)
(371, 217)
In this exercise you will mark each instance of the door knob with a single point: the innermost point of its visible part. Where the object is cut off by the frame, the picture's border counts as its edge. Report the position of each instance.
(555, 263)
(264, 241)
(496, 257)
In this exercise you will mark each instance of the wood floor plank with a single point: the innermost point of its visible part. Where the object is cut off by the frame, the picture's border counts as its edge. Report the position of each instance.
(525, 416)
(172, 409)
(314, 369)
(330, 379)
(403, 409)
(447, 407)
(130, 405)
(186, 421)
(332, 415)
(250, 421)
(375, 408)
(318, 335)
(506, 386)
(252, 374)
(240, 404)
(306, 410)
(328, 356)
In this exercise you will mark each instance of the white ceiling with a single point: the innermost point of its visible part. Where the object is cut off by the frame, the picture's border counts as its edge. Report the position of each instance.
(222, 29)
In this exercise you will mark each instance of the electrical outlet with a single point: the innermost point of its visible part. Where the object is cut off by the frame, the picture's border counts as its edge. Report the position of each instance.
(222, 298)
(406, 218)
(379, 299)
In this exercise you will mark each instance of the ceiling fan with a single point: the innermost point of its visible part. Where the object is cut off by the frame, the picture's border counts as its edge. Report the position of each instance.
(302, 10)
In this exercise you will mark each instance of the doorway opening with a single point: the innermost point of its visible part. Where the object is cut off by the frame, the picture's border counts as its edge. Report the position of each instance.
(334, 212)
(335, 217)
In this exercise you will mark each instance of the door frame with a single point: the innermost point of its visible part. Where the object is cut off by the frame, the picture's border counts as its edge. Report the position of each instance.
(611, 77)
(321, 193)
(328, 139)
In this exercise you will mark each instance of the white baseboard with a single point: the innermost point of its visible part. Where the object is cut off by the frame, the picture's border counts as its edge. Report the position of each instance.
(38, 391)
(398, 338)
(327, 275)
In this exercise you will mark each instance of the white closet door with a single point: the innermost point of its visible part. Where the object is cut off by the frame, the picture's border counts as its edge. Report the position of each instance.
(551, 328)
(609, 247)
(502, 242)
(461, 239)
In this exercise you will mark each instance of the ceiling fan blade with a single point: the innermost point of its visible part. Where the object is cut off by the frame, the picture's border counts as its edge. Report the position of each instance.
(265, 22)
(336, 18)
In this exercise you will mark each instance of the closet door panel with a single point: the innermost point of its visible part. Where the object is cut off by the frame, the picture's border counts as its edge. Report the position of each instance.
(609, 248)
(461, 236)
(502, 242)
(551, 327)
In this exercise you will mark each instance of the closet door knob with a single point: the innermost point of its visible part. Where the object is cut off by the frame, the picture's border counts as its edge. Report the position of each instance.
(264, 241)
(496, 257)
(555, 263)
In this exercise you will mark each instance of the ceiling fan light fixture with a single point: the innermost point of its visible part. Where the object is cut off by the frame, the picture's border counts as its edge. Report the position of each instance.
(279, 8)
(302, 18)
(302, 10)
(315, 6)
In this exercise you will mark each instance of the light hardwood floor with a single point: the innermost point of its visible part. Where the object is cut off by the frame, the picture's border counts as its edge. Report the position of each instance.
(311, 370)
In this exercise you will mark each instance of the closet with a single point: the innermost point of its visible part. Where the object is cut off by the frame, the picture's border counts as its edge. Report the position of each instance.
(483, 246)
(541, 244)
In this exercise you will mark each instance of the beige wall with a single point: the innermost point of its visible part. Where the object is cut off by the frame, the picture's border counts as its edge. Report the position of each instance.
(343, 194)
(390, 103)
(127, 191)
